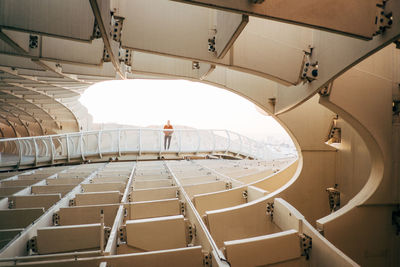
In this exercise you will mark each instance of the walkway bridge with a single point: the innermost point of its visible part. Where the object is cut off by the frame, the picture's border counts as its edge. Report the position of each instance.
(126, 144)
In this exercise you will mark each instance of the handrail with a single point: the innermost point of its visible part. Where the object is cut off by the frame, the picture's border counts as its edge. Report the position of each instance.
(95, 144)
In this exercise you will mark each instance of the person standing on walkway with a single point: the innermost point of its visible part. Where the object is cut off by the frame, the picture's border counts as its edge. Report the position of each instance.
(167, 134)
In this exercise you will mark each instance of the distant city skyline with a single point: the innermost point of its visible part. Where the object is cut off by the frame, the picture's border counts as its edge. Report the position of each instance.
(153, 102)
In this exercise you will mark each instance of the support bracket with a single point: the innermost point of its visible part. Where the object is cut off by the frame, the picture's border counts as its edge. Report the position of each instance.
(56, 219)
(31, 246)
(122, 234)
(305, 245)
(183, 208)
(270, 209)
(207, 258)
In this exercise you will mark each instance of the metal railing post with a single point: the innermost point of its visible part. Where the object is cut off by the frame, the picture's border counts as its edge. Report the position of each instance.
(229, 141)
(52, 149)
(81, 145)
(180, 141)
(213, 136)
(160, 131)
(20, 153)
(198, 141)
(36, 151)
(99, 144)
(46, 147)
(68, 148)
(119, 142)
(241, 144)
(140, 142)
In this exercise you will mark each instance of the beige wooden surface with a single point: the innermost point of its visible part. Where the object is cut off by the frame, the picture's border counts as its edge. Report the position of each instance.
(34, 176)
(156, 233)
(155, 208)
(93, 198)
(101, 187)
(277, 180)
(181, 257)
(153, 194)
(244, 221)
(19, 218)
(50, 189)
(152, 184)
(249, 178)
(110, 179)
(219, 200)
(198, 179)
(60, 181)
(35, 201)
(206, 187)
(6, 191)
(87, 214)
(263, 250)
(11, 183)
(7, 235)
(254, 193)
(355, 17)
(68, 238)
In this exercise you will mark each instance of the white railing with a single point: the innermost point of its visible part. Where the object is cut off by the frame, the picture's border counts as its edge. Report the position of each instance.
(82, 145)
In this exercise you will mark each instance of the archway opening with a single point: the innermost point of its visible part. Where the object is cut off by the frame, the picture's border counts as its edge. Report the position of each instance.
(188, 105)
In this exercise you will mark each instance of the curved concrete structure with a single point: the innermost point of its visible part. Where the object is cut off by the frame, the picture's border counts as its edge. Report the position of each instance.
(327, 79)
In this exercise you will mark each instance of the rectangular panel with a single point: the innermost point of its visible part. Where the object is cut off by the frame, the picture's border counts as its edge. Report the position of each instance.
(219, 200)
(11, 183)
(278, 179)
(181, 257)
(198, 179)
(119, 179)
(105, 70)
(156, 234)
(286, 217)
(49, 189)
(7, 235)
(228, 28)
(88, 214)
(45, 201)
(6, 191)
(36, 176)
(68, 238)
(159, 64)
(156, 208)
(272, 49)
(74, 18)
(245, 221)
(101, 187)
(152, 184)
(153, 194)
(254, 193)
(93, 198)
(59, 181)
(72, 51)
(196, 189)
(249, 178)
(19, 218)
(263, 250)
(82, 174)
(354, 17)
(167, 34)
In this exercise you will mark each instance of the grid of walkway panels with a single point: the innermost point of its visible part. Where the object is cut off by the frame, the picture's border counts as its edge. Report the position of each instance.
(170, 213)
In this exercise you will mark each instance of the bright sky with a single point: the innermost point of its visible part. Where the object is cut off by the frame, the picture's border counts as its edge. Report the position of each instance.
(153, 102)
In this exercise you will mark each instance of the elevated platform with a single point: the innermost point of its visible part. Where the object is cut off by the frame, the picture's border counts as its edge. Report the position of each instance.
(126, 145)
